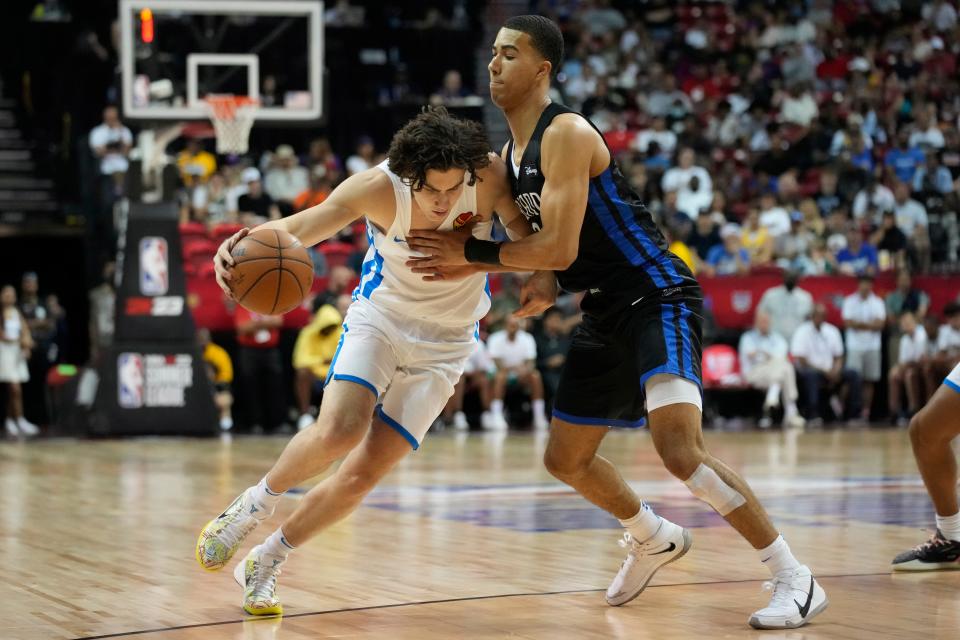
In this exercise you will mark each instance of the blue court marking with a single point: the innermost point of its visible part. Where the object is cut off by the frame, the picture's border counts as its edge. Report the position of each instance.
(538, 508)
(953, 385)
(544, 507)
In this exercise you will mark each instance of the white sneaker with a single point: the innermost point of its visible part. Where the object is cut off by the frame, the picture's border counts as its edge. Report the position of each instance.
(643, 559)
(796, 599)
(222, 536)
(304, 421)
(460, 421)
(226, 424)
(27, 428)
(796, 421)
(540, 422)
(496, 422)
(12, 429)
(258, 574)
(765, 422)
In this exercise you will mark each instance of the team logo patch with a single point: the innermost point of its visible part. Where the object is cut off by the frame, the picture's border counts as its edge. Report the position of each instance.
(462, 219)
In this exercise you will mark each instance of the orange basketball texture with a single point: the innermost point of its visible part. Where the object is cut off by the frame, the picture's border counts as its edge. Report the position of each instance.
(273, 272)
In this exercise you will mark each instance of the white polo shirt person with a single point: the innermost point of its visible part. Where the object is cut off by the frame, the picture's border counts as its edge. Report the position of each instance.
(817, 350)
(864, 315)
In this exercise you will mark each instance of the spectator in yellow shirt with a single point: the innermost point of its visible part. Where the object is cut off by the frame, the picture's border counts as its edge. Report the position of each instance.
(756, 239)
(312, 356)
(196, 164)
(220, 370)
(680, 249)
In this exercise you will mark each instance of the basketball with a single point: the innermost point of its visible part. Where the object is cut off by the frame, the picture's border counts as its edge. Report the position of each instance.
(273, 272)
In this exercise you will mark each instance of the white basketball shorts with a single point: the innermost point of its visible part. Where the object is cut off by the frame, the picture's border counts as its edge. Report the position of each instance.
(410, 365)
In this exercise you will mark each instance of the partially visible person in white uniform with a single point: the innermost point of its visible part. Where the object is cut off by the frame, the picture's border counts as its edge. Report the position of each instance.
(405, 341)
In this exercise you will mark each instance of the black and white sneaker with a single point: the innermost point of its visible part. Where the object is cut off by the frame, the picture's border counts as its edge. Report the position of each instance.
(935, 554)
(643, 559)
(797, 598)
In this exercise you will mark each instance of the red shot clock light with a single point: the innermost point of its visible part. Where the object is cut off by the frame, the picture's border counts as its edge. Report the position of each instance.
(146, 26)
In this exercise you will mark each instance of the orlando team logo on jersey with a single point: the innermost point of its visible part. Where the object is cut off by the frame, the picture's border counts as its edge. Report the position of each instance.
(462, 219)
(154, 266)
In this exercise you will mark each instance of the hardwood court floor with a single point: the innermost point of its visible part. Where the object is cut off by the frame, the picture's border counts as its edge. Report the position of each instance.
(468, 538)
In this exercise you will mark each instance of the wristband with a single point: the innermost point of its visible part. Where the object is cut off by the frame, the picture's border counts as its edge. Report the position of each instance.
(482, 251)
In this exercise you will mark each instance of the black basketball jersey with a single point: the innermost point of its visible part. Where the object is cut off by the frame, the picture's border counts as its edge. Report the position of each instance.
(621, 249)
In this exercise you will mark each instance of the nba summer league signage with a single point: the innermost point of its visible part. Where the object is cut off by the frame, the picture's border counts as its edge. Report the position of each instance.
(152, 380)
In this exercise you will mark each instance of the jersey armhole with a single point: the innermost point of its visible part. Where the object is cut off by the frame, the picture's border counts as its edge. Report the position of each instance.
(402, 202)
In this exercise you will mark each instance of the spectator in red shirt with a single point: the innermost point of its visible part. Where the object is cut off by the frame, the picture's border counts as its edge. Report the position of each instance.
(259, 368)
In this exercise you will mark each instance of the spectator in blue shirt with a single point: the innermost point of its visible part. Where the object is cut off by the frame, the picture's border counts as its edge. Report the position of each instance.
(858, 257)
(904, 160)
(933, 177)
(729, 258)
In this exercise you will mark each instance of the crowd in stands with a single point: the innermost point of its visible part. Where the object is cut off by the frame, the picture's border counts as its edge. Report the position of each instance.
(820, 137)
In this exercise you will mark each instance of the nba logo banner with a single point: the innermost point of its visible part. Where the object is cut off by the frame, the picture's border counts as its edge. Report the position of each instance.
(130, 380)
(154, 266)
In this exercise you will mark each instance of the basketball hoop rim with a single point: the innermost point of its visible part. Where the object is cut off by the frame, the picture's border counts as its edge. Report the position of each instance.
(225, 106)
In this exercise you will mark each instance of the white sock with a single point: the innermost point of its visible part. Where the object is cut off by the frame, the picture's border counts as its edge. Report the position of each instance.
(777, 557)
(496, 407)
(643, 525)
(949, 526)
(276, 545)
(773, 396)
(790, 410)
(539, 409)
(265, 498)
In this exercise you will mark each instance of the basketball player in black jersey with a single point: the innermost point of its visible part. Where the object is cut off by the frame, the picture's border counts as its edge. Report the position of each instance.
(639, 345)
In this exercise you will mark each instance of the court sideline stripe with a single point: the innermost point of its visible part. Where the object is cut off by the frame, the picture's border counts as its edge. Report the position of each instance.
(443, 601)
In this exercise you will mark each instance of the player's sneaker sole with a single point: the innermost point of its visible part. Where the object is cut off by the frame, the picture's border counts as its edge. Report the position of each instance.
(756, 623)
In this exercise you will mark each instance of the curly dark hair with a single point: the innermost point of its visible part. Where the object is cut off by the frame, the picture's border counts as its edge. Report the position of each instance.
(439, 141)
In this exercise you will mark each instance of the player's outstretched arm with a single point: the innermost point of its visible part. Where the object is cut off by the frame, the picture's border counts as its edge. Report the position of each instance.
(563, 201)
(367, 193)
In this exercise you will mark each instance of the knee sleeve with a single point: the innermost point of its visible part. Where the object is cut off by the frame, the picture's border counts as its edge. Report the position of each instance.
(666, 389)
(706, 485)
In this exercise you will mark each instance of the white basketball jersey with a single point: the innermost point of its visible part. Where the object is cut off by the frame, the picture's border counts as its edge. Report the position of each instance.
(387, 282)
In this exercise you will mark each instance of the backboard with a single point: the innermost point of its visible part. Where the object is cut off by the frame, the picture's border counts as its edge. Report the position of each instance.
(173, 53)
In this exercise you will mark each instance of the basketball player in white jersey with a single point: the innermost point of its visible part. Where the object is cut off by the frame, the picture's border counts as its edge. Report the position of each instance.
(932, 431)
(404, 346)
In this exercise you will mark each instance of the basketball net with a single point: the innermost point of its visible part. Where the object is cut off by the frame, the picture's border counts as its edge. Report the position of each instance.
(232, 118)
